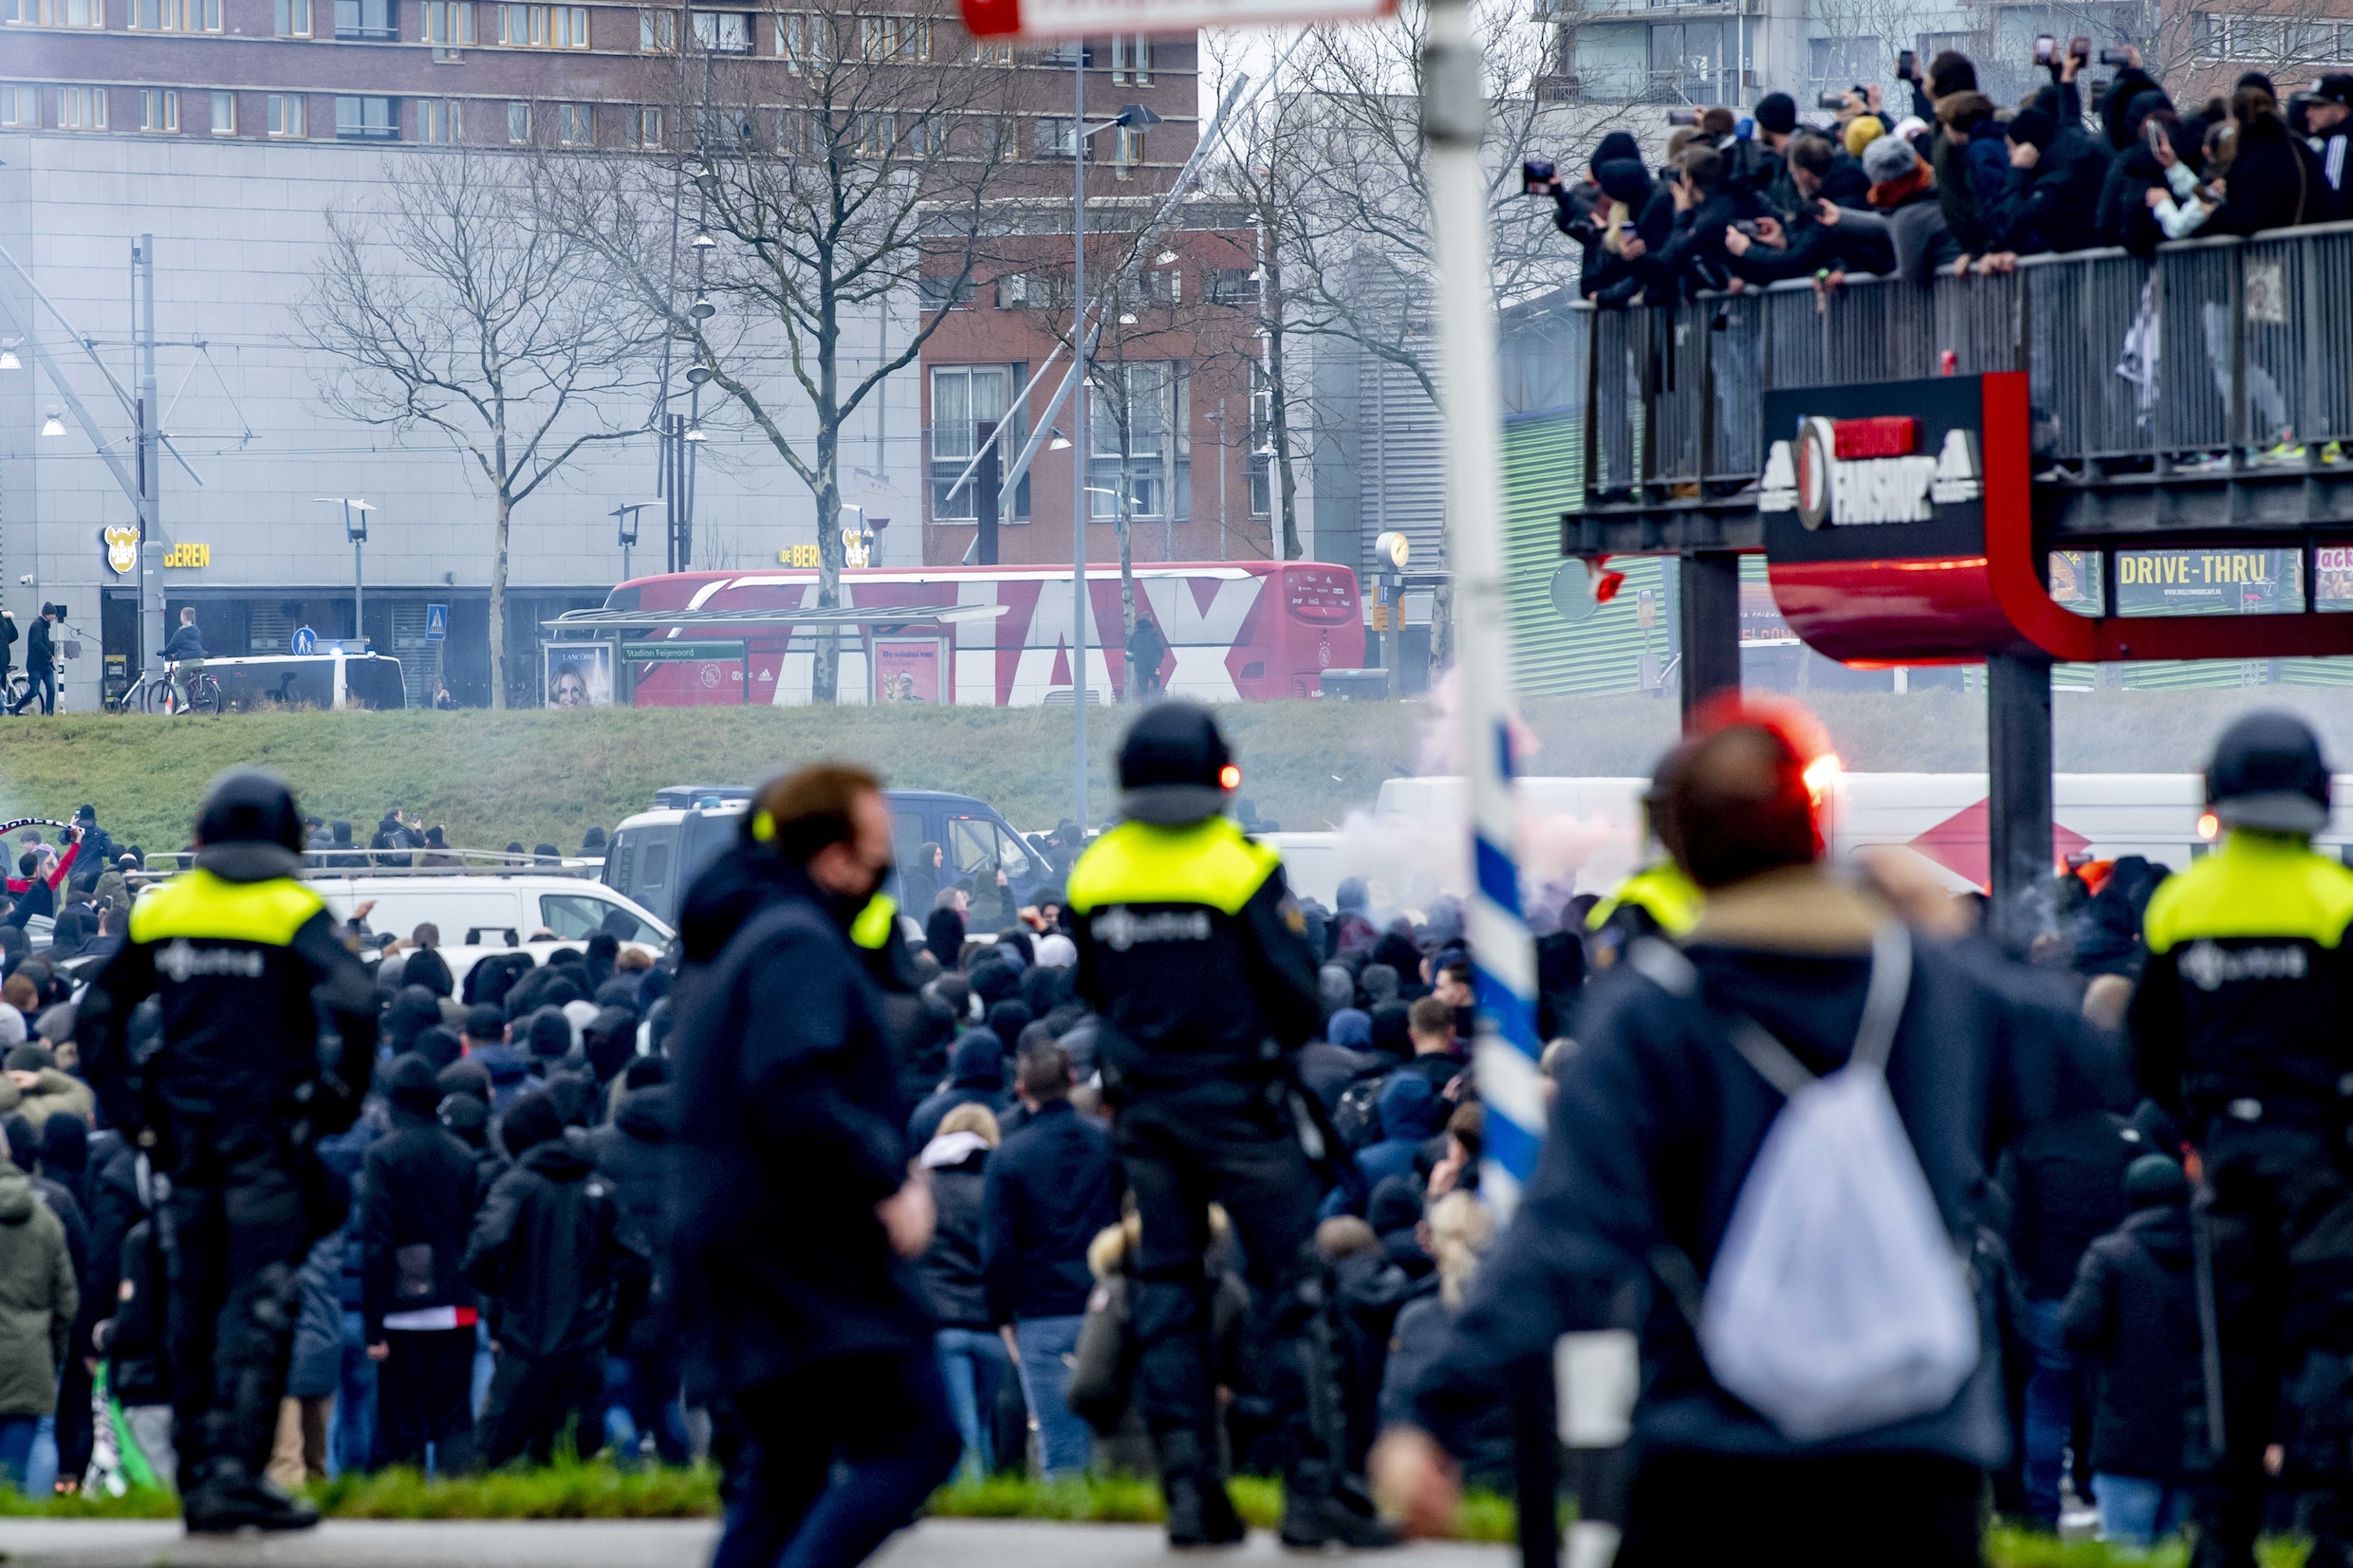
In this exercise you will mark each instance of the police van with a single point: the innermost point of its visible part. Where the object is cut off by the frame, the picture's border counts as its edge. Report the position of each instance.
(940, 841)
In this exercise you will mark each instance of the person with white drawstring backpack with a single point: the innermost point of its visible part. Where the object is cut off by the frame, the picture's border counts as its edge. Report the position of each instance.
(1778, 1132)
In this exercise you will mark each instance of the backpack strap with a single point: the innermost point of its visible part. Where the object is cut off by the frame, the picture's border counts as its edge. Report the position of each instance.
(1875, 1036)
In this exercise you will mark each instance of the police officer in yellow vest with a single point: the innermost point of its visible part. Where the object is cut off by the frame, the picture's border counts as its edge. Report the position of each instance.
(268, 1028)
(2239, 1029)
(1195, 956)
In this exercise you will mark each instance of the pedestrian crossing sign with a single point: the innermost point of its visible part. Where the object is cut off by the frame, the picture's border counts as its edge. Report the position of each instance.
(436, 622)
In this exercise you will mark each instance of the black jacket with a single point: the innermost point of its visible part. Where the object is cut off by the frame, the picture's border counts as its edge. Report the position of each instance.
(2275, 181)
(7, 642)
(416, 1212)
(551, 1254)
(1658, 1120)
(184, 642)
(2065, 1183)
(790, 1130)
(1050, 1187)
(1192, 950)
(953, 1277)
(633, 1152)
(248, 966)
(2132, 1314)
(2055, 205)
(40, 647)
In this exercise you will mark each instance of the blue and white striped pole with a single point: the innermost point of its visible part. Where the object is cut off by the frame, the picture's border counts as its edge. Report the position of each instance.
(1454, 115)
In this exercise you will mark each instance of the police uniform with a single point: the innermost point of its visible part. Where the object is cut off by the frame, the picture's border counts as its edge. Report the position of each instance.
(267, 1038)
(2238, 1030)
(1657, 900)
(1196, 959)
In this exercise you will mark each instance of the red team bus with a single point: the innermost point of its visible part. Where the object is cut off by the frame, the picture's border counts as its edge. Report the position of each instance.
(1252, 630)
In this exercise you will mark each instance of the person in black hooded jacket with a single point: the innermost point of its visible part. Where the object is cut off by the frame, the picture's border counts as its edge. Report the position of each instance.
(2124, 218)
(2051, 201)
(417, 1202)
(2275, 181)
(2133, 1312)
(561, 1268)
(976, 1077)
(632, 1152)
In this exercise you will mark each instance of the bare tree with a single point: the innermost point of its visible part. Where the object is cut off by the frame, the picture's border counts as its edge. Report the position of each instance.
(1358, 262)
(860, 172)
(449, 306)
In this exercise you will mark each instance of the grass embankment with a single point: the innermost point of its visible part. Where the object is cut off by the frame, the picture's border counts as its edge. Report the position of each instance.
(543, 776)
(596, 1489)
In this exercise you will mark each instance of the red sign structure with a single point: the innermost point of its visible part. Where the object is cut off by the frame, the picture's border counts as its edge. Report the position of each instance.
(1087, 18)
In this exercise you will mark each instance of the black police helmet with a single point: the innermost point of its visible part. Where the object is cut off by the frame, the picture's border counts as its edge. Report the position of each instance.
(2268, 775)
(250, 806)
(1174, 767)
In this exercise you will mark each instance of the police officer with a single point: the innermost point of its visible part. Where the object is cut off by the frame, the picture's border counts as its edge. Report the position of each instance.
(1659, 900)
(267, 1036)
(2238, 1030)
(1195, 957)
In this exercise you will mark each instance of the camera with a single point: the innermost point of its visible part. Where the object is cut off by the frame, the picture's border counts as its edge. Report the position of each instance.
(1683, 117)
(2046, 49)
(1830, 100)
(2078, 49)
(1907, 65)
(1536, 176)
(2116, 57)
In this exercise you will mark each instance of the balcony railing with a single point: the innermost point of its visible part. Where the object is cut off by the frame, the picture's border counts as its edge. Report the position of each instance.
(2217, 357)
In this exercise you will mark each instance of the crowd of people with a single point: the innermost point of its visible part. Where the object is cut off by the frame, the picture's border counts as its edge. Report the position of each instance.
(1958, 183)
(1176, 1174)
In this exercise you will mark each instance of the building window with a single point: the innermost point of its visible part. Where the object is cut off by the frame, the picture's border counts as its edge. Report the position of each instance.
(895, 38)
(1069, 52)
(874, 137)
(576, 125)
(1838, 60)
(649, 127)
(212, 9)
(294, 18)
(370, 20)
(448, 23)
(441, 121)
(19, 109)
(1127, 151)
(224, 113)
(544, 27)
(159, 109)
(964, 399)
(81, 108)
(657, 32)
(991, 52)
(1131, 58)
(923, 139)
(165, 15)
(722, 32)
(288, 115)
(57, 14)
(518, 121)
(1057, 136)
(365, 119)
(1233, 286)
(1145, 412)
(1261, 443)
(807, 41)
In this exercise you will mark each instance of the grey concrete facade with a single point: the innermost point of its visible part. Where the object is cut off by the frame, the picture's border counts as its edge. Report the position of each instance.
(239, 229)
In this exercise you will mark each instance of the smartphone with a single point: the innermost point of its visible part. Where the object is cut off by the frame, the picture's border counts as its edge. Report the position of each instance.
(1907, 65)
(2078, 49)
(1536, 176)
(2114, 57)
(1830, 100)
(1683, 117)
(1749, 227)
(2099, 92)
(2045, 48)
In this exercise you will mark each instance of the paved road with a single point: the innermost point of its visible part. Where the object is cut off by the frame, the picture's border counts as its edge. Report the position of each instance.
(355, 1543)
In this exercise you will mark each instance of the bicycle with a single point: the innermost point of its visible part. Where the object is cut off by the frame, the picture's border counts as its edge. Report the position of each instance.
(154, 692)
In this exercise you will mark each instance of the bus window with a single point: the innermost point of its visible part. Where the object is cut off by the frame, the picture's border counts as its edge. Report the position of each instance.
(989, 859)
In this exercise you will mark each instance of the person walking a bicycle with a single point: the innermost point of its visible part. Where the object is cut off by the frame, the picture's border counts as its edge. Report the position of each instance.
(183, 653)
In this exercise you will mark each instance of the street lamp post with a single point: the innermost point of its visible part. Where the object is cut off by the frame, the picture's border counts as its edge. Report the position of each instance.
(1134, 115)
(625, 522)
(1224, 455)
(355, 529)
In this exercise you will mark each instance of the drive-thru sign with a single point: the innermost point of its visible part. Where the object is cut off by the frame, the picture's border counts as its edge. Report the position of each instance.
(1080, 18)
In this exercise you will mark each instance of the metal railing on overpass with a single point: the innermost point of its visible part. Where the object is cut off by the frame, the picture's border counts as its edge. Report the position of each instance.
(2214, 358)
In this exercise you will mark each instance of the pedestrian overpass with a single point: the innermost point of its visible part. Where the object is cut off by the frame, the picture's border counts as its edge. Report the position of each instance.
(2007, 469)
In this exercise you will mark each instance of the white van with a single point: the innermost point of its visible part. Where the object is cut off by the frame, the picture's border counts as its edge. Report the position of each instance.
(496, 910)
